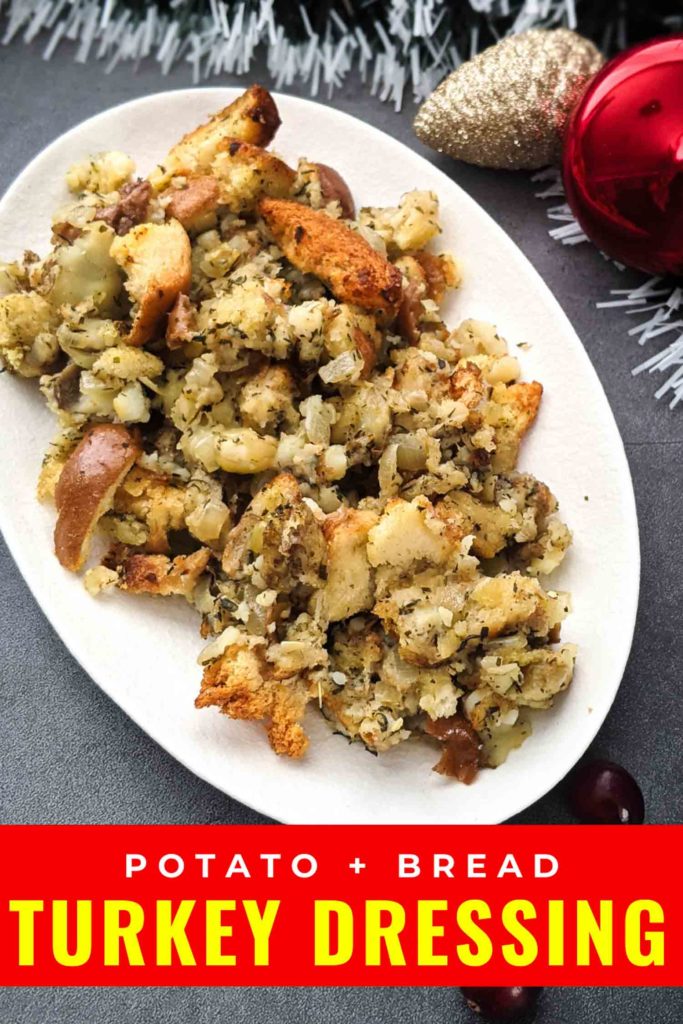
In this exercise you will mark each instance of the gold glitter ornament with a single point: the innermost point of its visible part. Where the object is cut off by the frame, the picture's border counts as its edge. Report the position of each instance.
(508, 106)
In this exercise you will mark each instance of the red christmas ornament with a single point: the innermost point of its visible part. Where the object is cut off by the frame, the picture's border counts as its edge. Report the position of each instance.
(623, 158)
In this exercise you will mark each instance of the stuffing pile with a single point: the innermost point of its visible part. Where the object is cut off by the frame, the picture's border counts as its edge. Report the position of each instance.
(261, 408)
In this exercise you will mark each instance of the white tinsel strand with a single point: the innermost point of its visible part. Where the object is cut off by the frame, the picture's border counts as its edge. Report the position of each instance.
(661, 303)
(661, 306)
(413, 51)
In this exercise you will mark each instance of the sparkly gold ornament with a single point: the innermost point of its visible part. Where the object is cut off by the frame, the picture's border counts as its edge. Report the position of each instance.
(508, 106)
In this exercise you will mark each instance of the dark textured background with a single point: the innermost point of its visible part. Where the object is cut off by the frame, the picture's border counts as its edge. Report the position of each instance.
(70, 755)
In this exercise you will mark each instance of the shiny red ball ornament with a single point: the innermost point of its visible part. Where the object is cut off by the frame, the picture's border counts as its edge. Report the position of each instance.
(514, 1004)
(623, 158)
(604, 793)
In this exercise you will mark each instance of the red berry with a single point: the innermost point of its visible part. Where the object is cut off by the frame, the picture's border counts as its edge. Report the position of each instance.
(501, 1004)
(604, 793)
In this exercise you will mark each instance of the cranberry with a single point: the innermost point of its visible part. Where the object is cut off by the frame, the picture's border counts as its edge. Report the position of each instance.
(603, 793)
(514, 1003)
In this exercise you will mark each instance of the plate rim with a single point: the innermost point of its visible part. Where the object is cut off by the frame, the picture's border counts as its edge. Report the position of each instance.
(88, 662)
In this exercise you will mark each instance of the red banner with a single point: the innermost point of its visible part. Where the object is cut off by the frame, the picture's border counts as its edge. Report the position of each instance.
(269, 905)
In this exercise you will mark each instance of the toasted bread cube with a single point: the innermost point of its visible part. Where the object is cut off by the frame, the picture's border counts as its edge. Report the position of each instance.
(317, 244)
(253, 118)
(409, 534)
(492, 527)
(155, 501)
(246, 172)
(241, 684)
(142, 573)
(157, 261)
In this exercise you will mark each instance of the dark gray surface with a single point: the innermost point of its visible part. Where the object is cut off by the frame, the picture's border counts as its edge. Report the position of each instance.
(324, 1006)
(70, 755)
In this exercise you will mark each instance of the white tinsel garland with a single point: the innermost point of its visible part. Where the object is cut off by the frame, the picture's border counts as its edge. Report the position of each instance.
(413, 44)
(405, 46)
(656, 303)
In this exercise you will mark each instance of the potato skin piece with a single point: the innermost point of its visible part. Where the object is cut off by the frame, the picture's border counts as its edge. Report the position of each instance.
(439, 272)
(86, 488)
(349, 266)
(180, 323)
(333, 187)
(411, 309)
(131, 209)
(196, 200)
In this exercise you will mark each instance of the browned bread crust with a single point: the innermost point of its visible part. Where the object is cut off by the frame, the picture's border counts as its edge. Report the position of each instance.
(142, 573)
(241, 685)
(253, 117)
(317, 244)
(86, 487)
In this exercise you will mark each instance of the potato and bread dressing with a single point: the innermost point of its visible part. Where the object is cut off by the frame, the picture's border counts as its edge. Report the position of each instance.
(261, 410)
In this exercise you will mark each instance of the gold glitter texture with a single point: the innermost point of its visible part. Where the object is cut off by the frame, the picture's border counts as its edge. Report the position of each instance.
(508, 107)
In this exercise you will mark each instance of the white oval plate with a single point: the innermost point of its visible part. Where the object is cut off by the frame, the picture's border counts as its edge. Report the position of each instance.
(142, 651)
